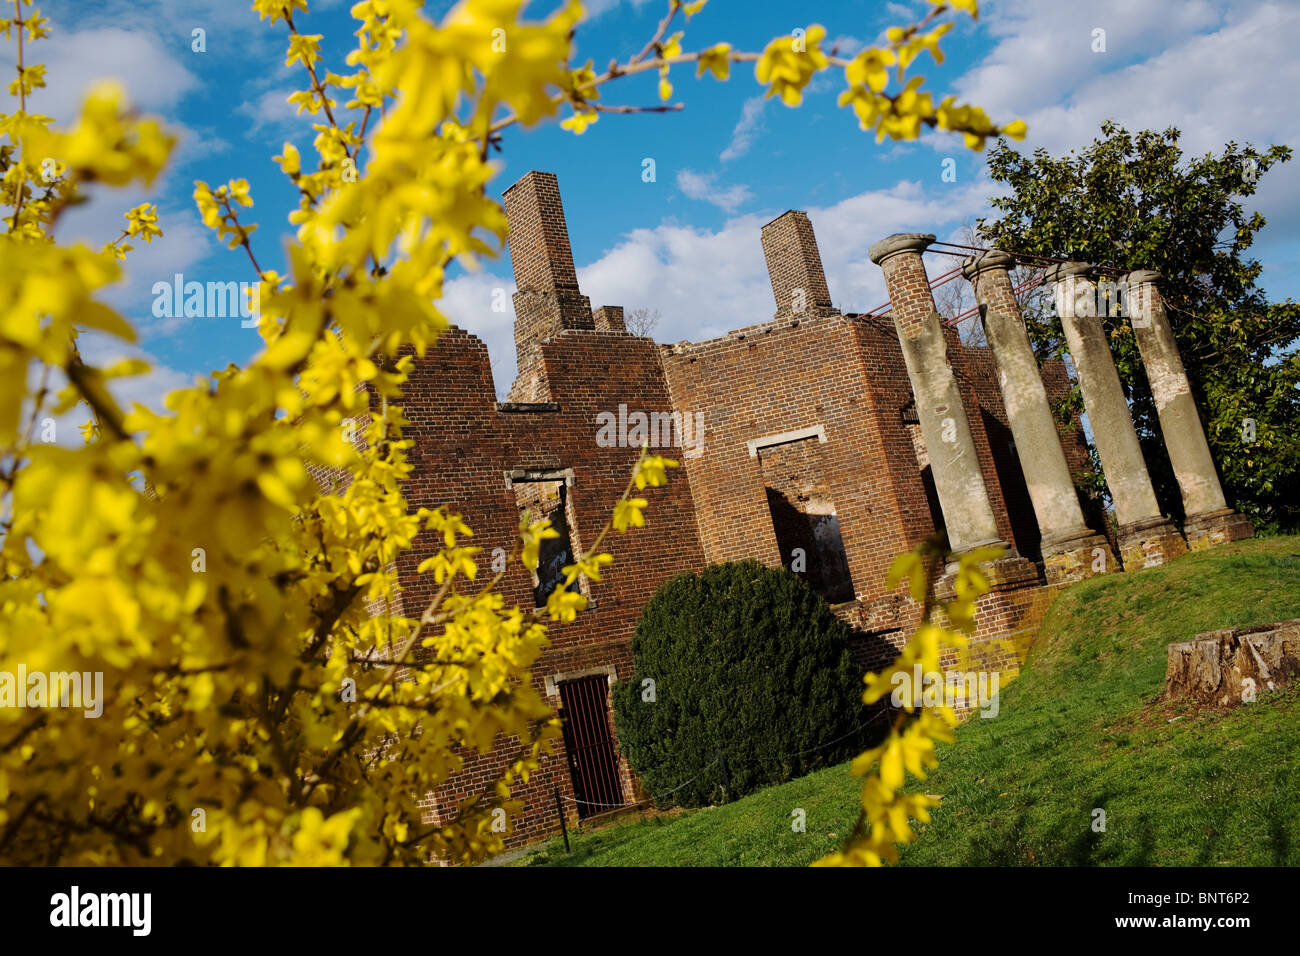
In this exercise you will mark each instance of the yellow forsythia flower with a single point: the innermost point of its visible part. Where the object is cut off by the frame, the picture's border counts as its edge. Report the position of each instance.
(716, 61)
(789, 63)
(143, 222)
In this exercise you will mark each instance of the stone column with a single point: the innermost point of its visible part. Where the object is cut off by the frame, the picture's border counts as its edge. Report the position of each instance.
(1209, 520)
(944, 426)
(1071, 550)
(1146, 537)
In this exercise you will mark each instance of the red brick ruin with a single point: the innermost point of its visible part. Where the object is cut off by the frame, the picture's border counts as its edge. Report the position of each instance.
(822, 442)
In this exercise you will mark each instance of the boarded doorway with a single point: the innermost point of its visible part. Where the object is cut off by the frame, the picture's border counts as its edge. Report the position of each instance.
(593, 762)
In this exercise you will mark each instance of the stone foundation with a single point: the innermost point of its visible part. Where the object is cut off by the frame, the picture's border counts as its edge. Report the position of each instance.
(1150, 544)
(1215, 528)
(1077, 558)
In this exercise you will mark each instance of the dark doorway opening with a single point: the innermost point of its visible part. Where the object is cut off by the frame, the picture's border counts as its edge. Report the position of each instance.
(1015, 492)
(932, 500)
(814, 540)
(593, 761)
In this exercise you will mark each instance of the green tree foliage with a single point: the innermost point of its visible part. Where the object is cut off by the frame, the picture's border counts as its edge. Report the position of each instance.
(1133, 202)
(752, 685)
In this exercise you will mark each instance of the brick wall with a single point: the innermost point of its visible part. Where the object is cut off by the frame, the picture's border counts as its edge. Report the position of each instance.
(465, 444)
(783, 376)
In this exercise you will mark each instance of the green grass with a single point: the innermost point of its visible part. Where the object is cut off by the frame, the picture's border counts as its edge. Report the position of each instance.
(1083, 727)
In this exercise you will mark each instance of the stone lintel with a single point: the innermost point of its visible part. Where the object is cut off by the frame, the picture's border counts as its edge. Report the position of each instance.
(754, 445)
(552, 682)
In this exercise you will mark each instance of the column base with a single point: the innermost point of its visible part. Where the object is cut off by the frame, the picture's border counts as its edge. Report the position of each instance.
(1150, 543)
(1006, 618)
(1008, 573)
(1212, 528)
(1075, 555)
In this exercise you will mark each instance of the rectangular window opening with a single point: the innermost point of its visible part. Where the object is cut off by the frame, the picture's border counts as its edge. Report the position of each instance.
(804, 519)
(548, 499)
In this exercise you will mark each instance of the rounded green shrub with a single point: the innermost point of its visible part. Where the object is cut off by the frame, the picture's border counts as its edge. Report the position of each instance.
(742, 679)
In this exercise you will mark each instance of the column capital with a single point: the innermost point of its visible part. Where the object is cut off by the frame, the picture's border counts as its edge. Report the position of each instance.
(916, 242)
(1064, 270)
(1140, 277)
(986, 262)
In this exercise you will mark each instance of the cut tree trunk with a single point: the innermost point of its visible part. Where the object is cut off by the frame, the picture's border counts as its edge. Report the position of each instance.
(1235, 665)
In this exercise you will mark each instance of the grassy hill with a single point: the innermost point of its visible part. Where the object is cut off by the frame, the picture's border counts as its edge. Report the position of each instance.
(1083, 728)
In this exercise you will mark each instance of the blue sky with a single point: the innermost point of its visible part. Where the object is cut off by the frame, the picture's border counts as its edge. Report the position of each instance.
(688, 243)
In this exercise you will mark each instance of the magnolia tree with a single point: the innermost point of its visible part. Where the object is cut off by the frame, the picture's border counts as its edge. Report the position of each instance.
(253, 710)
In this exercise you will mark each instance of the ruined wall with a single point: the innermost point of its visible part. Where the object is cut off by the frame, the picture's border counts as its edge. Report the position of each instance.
(776, 378)
(466, 444)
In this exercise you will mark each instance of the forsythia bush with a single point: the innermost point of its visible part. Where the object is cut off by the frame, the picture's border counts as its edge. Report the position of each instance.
(255, 712)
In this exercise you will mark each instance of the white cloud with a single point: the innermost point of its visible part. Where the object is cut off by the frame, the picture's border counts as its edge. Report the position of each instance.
(231, 26)
(747, 128)
(702, 186)
(185, 242)
(705, 282)
(1219, 72)
(1043, 52)
(272, 110)
(154, 79)
(101, 351)
(1176, 75)
(845, 45)
(149, 389)
(596, 8)
(900, 12)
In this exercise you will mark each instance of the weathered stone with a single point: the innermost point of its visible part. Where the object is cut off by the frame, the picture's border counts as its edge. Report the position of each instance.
(945, 428)
(1215, 528)
(1077, 557)
(1149, 543)
(1071, 550)
(1146, 538)
(1235, 665)
(917, 242)
(1209, 519)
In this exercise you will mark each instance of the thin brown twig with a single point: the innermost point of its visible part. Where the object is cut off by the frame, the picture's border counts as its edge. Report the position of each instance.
(316, 84)
(21, 185)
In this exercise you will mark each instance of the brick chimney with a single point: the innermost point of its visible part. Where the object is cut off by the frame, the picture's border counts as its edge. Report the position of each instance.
(795, 267)
(609, 318)
(548, 299)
